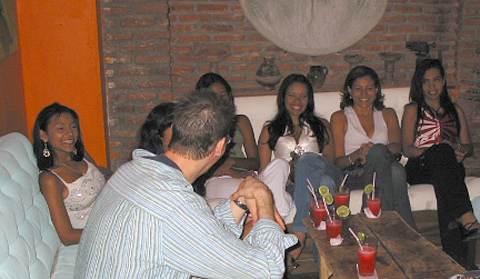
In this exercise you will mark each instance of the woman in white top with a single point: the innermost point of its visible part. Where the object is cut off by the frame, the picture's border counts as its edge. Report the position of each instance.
(296, 136)
(69, 183)
(367, 135)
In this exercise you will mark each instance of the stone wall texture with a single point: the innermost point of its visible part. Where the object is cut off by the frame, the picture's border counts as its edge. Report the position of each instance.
(154, 51)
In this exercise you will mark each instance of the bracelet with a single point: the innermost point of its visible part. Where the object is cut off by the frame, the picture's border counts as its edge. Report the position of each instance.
(241, 205)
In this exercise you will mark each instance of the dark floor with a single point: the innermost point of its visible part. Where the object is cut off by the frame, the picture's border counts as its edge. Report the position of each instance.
(427, 226)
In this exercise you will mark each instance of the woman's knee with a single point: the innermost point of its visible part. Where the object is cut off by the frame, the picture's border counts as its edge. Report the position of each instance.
(310, 160)
(379, 153)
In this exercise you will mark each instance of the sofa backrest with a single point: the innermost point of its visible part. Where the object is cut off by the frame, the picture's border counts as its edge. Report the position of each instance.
(263, 108)
(28, 240)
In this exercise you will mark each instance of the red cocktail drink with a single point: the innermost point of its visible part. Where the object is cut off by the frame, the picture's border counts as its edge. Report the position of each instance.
(319, 214)
(374, 205)
(342, 198)
(366, 260)
(334, 231)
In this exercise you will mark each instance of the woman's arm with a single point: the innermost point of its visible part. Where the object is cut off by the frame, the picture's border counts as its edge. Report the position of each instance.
(51, 188)
(329, 149)
(408, 132)
(394, 138)
(465, 140)
(339, 127)
(264, 150)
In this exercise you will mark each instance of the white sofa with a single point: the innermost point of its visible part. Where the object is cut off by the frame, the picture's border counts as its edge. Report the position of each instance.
(263, 108)
(29, 244)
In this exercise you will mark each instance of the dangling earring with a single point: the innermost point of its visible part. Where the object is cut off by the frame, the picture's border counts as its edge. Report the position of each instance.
(74, 151)
(46, 152)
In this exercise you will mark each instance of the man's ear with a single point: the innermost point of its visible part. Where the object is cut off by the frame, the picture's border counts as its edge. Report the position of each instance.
(220, 147)
(43, 135)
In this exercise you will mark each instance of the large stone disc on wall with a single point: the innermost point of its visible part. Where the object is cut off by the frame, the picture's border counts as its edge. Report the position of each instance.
(314, 27)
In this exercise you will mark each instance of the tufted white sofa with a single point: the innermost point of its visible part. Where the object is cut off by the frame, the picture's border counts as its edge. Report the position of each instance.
(263, 108)
(29, 244)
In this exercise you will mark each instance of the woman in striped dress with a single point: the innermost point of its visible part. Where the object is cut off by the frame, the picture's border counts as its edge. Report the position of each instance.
(436, 140)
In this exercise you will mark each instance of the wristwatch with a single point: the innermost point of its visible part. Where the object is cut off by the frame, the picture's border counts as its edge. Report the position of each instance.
(241, 205)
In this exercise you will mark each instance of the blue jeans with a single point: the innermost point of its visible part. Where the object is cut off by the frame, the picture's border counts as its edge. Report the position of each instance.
(391, 182)
(319, 171)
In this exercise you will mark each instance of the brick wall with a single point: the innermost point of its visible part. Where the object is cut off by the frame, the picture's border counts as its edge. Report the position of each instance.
(152, 51)
(467, 60)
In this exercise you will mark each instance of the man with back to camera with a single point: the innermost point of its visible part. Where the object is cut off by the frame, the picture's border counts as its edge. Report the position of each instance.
(149, 223)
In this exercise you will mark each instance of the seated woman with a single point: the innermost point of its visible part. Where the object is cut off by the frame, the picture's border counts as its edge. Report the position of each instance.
(436, 140)
(367, 135)
(69, 182)
(156, 131)
(296, 131)
(225, 177)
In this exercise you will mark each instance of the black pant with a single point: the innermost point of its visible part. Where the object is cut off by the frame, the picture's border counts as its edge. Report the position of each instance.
(438, 166)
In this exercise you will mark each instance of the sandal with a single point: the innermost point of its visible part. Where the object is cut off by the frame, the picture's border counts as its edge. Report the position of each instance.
(290, 265)
(470, 230)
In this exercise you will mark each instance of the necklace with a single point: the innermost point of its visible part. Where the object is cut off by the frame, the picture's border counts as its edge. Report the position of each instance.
(72, 169)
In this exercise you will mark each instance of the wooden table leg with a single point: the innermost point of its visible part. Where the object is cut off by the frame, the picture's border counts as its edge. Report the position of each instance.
(325, 272)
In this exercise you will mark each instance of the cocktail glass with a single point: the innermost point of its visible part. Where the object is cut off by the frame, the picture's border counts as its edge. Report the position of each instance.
(334, 231)
(367, 256)
(374, 204)
(317, 213)
(342, 198)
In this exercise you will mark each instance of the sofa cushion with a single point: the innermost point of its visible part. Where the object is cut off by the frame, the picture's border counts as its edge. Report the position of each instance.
(28, 239)
(64, 265)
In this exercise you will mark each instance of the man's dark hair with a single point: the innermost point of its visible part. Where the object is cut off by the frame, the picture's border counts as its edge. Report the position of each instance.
(199, 122)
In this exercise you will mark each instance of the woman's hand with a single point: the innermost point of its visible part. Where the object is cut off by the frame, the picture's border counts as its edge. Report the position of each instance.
(460, 150)
(363, 151)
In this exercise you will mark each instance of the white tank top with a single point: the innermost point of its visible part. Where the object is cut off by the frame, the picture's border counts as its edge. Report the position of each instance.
(286, 144)
(82, 194)
(356, 135)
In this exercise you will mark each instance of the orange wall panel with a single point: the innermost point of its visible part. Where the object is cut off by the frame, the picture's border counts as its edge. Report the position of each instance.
(12, 102)
(61, 63)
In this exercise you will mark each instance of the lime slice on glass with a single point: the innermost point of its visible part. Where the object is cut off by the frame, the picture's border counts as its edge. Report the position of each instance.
(343, 211)
(323, 190)
(328, 198)
(361, 236)
(368, 189)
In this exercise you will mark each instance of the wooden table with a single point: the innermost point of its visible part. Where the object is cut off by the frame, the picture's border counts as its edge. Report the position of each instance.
(402, 252)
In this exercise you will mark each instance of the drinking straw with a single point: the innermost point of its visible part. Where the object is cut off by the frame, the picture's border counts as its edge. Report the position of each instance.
(326, 208)
(374, 178)
(310, 187)
(356, 238)
(340, 189)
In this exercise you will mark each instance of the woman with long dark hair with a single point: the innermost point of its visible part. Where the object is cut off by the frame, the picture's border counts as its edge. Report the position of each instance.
(297, 137)
(367, 142)
(69, 182)
(156, 131)
(436, 139)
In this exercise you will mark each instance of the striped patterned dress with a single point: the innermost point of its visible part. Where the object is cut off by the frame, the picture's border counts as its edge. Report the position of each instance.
(434, 130)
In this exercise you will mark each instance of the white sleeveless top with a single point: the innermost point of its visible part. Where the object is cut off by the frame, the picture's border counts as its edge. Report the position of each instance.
(286, 144)
(356, 135)
(82, 194)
